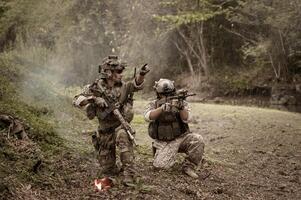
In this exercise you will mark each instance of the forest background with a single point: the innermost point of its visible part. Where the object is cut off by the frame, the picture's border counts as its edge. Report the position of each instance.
(218, 49)
(224, 47)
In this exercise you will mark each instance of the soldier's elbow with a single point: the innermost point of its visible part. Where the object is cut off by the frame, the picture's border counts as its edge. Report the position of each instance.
(147, 116)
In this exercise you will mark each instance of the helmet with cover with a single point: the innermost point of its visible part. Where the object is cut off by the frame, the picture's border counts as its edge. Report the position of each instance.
(164, 87)
(110, 64)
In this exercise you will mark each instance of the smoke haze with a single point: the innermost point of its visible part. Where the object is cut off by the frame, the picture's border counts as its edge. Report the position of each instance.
(63, 56)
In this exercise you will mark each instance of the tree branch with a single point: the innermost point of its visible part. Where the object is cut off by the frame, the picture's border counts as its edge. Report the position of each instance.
(240, 35)
(186, 54)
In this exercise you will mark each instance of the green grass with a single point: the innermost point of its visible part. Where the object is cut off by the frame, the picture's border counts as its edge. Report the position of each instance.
(14, 102)
(40, 130)
(138, 119)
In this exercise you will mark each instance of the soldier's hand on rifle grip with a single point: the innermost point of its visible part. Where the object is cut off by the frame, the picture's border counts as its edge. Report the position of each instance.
(166, 107)
(101, 102)
(180, 105)
(144, 70)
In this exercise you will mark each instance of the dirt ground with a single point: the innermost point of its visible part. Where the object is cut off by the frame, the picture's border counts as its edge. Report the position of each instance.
(250, 153)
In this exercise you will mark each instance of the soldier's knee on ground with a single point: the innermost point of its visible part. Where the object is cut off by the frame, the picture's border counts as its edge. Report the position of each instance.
(163, 162)
(165, 155)
(159, 166)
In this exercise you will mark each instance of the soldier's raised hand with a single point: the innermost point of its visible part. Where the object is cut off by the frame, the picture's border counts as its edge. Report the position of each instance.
(144, 70)
(101, 102)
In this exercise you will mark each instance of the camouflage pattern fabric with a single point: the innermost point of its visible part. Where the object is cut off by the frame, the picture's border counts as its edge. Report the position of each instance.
(106, 151)
(109, 137)
(191, 144)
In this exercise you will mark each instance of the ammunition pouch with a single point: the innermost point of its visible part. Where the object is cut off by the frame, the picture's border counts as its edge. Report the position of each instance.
(167, 127)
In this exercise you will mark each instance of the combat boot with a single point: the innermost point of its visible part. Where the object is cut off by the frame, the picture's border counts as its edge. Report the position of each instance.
(128, 168)
(128, 179)
(190, 172)
(189, 168)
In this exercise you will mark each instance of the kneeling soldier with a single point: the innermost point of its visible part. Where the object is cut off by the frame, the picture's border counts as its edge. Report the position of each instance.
(110, 100)
(168, 116)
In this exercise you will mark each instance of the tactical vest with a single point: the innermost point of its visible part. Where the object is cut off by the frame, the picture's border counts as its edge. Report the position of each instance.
(168, 126)
(108, 120)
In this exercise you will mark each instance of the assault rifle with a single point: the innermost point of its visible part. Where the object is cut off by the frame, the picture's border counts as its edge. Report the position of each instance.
(179, 97)
(113, 106)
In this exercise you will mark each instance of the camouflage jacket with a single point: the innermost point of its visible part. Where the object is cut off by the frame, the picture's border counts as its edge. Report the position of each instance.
(122, 91)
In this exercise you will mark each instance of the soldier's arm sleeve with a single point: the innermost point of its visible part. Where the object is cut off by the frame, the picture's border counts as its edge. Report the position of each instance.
(187, 107)
(82, 97)
(132, 86)
(78, 101)
(150, 107)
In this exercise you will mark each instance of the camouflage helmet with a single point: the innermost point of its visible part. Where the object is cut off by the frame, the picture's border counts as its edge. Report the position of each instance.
(109, 64)
(164, 86)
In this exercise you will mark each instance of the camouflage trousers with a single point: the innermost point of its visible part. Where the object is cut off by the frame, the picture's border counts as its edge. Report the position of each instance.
(105, 145)
(165, 152)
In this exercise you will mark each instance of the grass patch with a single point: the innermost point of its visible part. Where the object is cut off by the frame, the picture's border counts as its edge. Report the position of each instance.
(144, 150)
(12, 103)
(138, 119)
(40, 131)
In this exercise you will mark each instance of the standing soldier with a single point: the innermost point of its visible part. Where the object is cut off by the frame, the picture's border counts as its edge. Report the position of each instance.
(111, 100)
(168, 116)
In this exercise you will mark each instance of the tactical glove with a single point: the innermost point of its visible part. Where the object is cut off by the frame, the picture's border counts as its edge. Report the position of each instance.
(166, 107)
(101, 102)
(144, 70)
(180, 105)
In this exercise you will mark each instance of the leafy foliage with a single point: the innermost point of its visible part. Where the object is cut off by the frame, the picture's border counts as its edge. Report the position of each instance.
(201, 36)
(273, 32)
(187, 18)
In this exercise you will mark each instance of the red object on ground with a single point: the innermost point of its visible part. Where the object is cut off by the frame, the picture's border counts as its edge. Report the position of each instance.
(103, 184)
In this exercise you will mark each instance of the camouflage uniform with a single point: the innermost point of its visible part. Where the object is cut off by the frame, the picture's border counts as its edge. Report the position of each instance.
(165, 149)
(110, 133)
